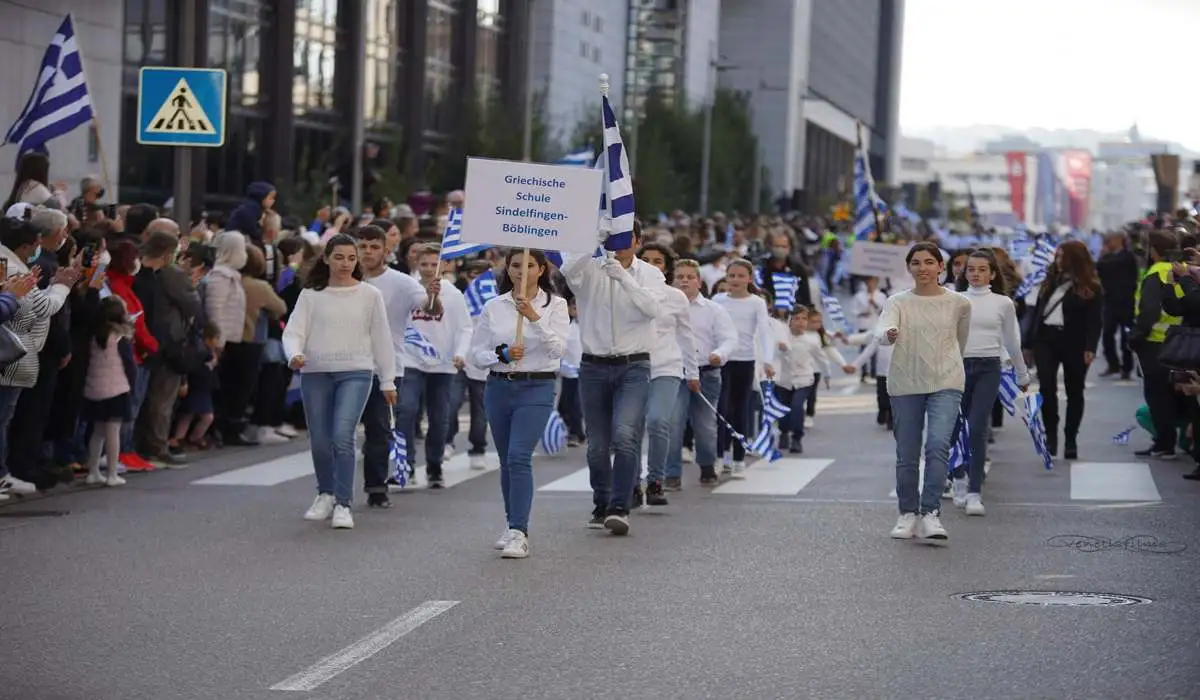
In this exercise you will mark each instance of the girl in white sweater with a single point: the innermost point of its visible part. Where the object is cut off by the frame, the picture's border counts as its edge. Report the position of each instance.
(994, 334)
(337, 337)
(928, 325)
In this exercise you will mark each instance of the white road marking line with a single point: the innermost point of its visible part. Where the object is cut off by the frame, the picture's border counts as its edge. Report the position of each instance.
(455, 471)
(272, 473)
(330, 666)
(783, 477)
(1113, 481)
(576, 481)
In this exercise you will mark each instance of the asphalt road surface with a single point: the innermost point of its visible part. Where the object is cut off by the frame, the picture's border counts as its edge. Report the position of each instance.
(206, 583)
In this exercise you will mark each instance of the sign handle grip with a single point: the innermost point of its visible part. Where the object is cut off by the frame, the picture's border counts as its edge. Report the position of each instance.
(520, 340)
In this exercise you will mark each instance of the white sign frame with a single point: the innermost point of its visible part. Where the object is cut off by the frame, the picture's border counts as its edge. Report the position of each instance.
(498, 189)
(869, 259)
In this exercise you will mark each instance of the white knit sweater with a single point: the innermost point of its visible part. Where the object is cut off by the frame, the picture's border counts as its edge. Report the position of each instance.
(933, 333)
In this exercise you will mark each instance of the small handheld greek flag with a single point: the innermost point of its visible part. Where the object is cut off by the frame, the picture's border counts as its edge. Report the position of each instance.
(785, 285)
(1039, 263)
(960, 451)
(59, 102)
(554, 436)
(833, 309)
(452, 243)
(398, 465)
(1010, 391)
(1037, 431)
(1122, 438)
(417, 339)
(481, 290)
(773, 410)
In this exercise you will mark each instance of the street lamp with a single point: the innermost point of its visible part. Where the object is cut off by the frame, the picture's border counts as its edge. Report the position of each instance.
(706, 153)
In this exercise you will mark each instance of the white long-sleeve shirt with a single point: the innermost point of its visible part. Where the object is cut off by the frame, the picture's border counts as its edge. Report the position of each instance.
(994, 330)
(574, 355)
(545, 340)
(674, 353)
(342, 329)
(779, 333)
(449, 332)
(800, 357)
(752, 321)
(881, 353)
(470, 367)
(865, 307)
(933, 333)
(401, 296)
(615, 315)
(712, 330)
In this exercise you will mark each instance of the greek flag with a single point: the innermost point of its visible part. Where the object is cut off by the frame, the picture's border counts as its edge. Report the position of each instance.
(773, 410)
(729, 236)
(864, 198)
(582, 158)
(618, 183)
(1122, 438)
(60, 101)
(960, 451)
(554, 437)
(1033, 421)
(481, 290)
(398, 458)
(1009, 390)
(837, 317)
(907, 214)
(1039, 263)
(758, 277)
(452, 243)
(417, 339)
(785, 290)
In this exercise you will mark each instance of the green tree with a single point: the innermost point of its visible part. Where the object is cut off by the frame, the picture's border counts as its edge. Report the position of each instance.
(488, 131)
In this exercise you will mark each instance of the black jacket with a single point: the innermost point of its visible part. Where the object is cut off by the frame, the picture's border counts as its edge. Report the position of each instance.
(1186, 307)
(1082, 320)
(1119, 276)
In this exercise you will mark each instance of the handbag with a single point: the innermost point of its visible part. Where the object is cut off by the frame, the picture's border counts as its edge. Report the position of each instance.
(11, 347)
(1181, 348)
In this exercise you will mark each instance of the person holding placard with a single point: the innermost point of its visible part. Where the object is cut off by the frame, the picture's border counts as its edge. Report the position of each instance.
(618, 299)
(521, 337)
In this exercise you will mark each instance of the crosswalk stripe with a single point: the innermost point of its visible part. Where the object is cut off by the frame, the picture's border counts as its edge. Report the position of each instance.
(783, 477)
(455, 470)
(576, 481)
(1113, 481)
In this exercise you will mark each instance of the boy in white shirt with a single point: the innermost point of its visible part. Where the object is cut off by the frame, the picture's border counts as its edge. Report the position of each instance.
(799, 357)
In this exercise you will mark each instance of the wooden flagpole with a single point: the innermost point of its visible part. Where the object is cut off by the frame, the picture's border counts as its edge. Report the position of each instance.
(520, 341)
(95, 113)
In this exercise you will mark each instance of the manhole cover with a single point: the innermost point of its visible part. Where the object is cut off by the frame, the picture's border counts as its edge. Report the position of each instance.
(1044, 598)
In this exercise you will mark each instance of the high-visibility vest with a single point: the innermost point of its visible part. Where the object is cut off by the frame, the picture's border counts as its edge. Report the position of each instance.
(1159, 332)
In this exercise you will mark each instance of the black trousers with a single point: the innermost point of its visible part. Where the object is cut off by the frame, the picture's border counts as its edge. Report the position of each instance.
(570, 407)
(238, 375)
(810, 409)
(737, 388)
(377, 425)
(1053, 349)
(28, 427)
(1161, 399)
(271, 392)
(1116, 327)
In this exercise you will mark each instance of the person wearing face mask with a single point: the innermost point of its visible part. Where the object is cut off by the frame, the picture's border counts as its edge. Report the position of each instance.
(808, 291)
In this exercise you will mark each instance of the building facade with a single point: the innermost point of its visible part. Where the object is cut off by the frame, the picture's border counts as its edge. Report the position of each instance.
(819, 74)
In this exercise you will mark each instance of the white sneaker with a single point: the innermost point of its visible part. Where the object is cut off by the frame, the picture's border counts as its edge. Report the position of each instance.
(517, 546)
(688, 456)
(974, 504)
(287, 431)
(987, 465)
(321, 508)
(94, 479)
(269, 436)
(478, 462)
(948, 492)
(931, 528)
(960, 492)
(342, 519)
(114, 480)
(737, 470)
(905, 527)
(11, 484)
(504, 538)
(808, 422)
(4, 497)
(449, 453)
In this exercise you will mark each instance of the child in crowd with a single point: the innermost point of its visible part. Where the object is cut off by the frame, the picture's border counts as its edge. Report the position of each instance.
(570, 406)
(800, 354)
(816, 332)
(196, 396)
(106, 388)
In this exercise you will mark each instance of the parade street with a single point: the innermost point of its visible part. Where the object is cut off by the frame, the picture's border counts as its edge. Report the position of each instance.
(206, 582)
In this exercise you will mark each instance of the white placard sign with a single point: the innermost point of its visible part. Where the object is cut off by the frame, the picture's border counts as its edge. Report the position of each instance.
(518, 205)
(878, 260)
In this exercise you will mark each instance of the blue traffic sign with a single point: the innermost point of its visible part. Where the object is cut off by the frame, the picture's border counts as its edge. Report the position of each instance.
(181, 107)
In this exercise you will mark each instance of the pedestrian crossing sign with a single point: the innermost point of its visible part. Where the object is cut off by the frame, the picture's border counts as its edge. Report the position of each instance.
(181, 107)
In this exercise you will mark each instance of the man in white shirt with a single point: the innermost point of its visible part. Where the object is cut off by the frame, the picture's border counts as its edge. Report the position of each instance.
(617, 298)
(434, 378)
(402, 295)
(715, 337)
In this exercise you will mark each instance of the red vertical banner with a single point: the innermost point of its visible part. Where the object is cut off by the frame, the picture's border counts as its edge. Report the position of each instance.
(1078, 171)
(1015, 160)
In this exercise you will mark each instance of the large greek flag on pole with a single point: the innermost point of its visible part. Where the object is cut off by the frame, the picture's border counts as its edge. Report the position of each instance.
(60, 101)
(618, 183)
(864, 195)
(582, 158)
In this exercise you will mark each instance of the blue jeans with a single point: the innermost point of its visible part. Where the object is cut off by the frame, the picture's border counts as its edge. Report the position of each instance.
(137, 394)
(8, 407)
(437, 392)
(983, 384)
(614, 409)
(796, 399)
(909, 414)
(661, 416)
(704, 424)
(333, 406)
(377, 424)
(517, 412)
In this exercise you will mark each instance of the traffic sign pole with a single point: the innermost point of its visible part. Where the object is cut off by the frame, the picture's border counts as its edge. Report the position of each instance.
(183, 154)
